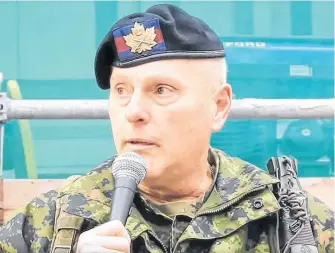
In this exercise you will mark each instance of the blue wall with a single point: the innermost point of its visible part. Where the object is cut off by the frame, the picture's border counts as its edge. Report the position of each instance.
(57, 40)
(49, 48)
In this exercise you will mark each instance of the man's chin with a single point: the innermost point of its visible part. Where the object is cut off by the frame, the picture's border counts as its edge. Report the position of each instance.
(153, 160)
(143, 150)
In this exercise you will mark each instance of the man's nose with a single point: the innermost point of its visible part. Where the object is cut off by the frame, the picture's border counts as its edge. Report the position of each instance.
(136, 109)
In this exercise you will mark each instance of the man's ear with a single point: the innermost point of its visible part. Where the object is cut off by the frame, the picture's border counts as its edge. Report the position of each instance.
(223, 99)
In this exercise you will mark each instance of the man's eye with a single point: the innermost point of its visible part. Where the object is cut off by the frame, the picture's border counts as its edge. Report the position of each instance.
(121, 91)
(161, 90)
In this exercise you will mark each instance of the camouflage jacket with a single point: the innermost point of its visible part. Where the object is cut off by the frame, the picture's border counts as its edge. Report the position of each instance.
(240, 215)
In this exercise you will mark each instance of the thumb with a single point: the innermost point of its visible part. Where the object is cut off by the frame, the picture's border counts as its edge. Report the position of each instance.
(112, 228)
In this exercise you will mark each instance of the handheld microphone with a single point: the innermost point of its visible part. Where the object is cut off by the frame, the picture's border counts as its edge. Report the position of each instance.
(128, 170)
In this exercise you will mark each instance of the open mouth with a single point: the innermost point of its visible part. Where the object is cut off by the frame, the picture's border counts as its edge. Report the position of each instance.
(140, 142)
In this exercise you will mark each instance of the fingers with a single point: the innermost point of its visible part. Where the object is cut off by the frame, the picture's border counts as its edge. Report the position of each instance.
(112, 228)
(99, 249)
(107, 242)
(110, 237)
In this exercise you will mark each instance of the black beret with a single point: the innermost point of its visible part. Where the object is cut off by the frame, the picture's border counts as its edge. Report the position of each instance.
(164, 31)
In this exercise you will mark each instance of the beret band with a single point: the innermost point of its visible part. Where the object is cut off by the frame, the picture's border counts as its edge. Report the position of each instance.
(171, 55)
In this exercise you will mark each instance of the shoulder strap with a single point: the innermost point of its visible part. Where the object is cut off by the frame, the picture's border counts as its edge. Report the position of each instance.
(66, 230)
(68, 226)
(296, 233)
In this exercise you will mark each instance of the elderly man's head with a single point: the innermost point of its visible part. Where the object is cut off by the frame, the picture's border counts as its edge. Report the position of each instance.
(167, 78)
(166, 110)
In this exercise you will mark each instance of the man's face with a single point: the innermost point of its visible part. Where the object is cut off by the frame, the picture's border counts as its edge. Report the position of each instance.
(166, 110)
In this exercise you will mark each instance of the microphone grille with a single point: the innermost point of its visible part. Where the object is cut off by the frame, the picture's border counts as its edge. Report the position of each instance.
(129, 164)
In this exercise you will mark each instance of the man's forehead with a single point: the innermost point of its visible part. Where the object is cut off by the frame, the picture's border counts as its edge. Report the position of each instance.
(160, 72)
(169, 69)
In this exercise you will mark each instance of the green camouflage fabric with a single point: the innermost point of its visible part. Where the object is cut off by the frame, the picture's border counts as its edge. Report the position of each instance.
(176, 214)
(239, 215)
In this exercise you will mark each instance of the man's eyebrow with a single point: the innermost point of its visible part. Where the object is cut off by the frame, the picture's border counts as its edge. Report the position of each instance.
(160, 78)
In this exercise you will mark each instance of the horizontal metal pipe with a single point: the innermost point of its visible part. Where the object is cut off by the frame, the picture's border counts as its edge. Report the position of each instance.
(57, 109)
(241, 109)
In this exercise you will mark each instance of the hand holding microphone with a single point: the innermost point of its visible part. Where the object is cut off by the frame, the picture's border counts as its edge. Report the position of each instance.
(110, 237)
(128, 170)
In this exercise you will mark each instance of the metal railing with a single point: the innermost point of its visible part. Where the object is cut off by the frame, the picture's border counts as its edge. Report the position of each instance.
(98, 109)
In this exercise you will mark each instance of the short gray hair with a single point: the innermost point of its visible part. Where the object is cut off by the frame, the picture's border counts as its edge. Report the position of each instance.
(224, 70)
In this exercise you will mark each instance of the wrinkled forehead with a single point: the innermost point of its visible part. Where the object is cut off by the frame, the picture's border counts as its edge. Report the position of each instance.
(183, 70)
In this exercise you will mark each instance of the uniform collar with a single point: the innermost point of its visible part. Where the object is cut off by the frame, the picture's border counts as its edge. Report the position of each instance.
(239, 194)
(234, 179)
(236, 187)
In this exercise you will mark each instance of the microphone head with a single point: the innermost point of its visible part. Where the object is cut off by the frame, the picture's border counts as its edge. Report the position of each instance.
(129, 164)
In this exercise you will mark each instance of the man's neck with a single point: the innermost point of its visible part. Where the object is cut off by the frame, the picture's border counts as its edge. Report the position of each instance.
(189, 187)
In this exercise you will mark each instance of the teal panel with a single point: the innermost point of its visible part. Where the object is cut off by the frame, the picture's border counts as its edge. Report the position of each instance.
(301, 18)
(265, 19)
(271, 19)
(13, 150)
(73, 146)
(8, 39)
(262, 13)
(62, 147)
(106, 16)
(243, 18)
(144, 5)
(269, 71)
(56, 40)
(280, 19)
(323, 19)
(127, 7)
(61, 89)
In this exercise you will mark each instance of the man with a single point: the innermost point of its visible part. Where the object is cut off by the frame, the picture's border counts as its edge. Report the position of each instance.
(168, 93)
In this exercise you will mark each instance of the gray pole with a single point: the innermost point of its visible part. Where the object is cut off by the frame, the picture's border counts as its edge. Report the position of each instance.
(98, 109)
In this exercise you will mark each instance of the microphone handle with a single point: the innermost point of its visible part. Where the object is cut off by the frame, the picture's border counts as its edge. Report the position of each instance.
(123, 196)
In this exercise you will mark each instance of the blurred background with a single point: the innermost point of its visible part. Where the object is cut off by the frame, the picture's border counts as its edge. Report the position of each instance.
(282, 49)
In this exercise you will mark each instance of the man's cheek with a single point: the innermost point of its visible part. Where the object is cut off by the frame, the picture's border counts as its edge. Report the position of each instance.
(117, 134)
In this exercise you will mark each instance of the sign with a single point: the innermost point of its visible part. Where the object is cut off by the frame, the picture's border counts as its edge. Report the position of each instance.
(244, 44)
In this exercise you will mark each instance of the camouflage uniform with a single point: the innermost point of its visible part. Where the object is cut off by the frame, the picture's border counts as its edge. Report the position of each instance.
(237, 214)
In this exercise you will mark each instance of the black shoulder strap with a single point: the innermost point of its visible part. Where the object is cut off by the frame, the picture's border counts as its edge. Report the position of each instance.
(295, 230)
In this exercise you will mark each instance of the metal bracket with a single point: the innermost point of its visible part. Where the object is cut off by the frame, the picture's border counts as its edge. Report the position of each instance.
(3, 107)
